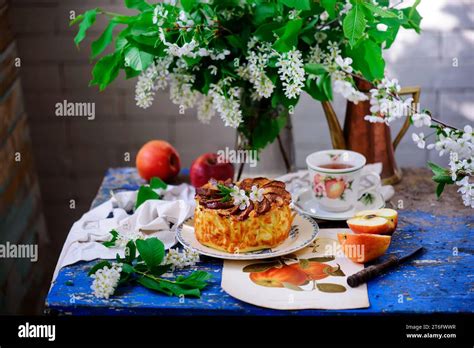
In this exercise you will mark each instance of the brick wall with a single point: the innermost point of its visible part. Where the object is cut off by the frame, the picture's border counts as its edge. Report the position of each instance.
(73, 154)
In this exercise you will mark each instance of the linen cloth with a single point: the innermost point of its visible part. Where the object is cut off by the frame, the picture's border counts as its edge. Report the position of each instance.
(158, 218)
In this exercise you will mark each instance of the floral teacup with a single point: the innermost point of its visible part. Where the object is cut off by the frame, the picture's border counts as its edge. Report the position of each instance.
(335, 176)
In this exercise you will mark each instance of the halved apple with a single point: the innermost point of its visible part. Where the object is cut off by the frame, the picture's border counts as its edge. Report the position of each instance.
(364, 247)
(378, 221)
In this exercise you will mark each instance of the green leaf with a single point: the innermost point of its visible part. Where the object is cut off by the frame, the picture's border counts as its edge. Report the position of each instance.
(98, 266)
(188, 5)
(235, 41)
(303, 5)
(289, 38)
(354, 24)
(130, 251)
(87, 20)
(178, 290)
(441, 176)
(106, 70)
(320, 88)
(152, 251)
(99, 45)
(367, 58)
(379, 11)
(196, 279)
(144, 194)
(440, 189)
(137, 59)
(112, 241)
(126, 268)
(330, 287)
(157, 183)
(154, 285)
(330, 7)
(160, 270)
(264, 11)
(412, 18)
(140, 5)
(265, 31)
(315, 69)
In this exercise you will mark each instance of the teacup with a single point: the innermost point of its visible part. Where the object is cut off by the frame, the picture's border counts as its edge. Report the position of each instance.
(335, 176)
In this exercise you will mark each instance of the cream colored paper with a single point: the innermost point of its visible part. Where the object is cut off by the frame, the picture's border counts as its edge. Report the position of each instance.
(238, 284)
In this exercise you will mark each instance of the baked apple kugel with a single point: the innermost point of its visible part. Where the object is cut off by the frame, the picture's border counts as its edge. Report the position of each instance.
(249, 215)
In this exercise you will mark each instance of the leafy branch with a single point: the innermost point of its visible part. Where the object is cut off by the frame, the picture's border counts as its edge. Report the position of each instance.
(147, 269)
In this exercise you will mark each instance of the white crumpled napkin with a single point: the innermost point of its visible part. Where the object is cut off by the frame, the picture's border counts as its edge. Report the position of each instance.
(299, 181)
(157, 218)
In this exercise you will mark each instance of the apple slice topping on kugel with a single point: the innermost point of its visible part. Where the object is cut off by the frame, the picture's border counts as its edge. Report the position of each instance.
(379, 221)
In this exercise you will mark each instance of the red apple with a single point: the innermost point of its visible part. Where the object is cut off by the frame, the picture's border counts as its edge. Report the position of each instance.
(209, 166)
(275, 277)
(158, 158)
(378, 221)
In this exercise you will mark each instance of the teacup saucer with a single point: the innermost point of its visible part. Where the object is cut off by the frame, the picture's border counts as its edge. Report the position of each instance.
(305, 203)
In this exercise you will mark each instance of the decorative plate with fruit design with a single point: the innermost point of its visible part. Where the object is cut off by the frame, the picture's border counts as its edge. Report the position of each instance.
(303, 232)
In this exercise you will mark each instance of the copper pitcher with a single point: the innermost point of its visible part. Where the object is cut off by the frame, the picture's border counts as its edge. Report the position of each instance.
(373, 140)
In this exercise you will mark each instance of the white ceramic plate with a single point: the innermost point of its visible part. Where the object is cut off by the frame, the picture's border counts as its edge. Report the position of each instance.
(305, 203)
(303, 231)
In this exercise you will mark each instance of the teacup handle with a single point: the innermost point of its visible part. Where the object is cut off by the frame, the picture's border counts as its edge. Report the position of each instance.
(377, 182)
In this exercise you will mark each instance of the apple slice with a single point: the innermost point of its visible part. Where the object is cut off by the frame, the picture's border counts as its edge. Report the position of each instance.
(364, 247)
(379, 221)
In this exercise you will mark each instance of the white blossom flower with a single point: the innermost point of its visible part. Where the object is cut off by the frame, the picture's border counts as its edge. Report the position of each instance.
(206, 111)
(155, 77)
(421, 119)
(419, 140)
(293, 14)
(348, 91)
(106, 280)
(382, 27)
(254, 70)
(181, 92)
(320, 36)
(240, 198)
(467, 191)
(179, 260)
(347, 7)
(291, 70)
(227, 104)
(213, 69)
(159, 15)
(374, 119)
(256, 194)
(324, 16)
(344, 63)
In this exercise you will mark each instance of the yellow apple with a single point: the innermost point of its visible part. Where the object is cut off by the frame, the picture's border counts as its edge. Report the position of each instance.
(378, 221)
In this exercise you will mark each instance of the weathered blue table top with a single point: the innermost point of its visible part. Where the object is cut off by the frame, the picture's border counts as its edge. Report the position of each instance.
(439, 281)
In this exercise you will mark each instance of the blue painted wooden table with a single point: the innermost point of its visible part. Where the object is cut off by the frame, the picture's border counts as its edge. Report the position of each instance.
(440, 281)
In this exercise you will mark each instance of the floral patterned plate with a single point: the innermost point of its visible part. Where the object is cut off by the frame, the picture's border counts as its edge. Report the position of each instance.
(303, 232)
(305, 203)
